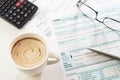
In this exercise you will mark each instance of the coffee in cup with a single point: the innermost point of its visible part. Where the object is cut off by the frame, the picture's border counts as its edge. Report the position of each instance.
(29, 53)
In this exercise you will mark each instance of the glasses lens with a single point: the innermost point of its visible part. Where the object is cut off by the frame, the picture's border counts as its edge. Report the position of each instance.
(88, 11)
(113, 24)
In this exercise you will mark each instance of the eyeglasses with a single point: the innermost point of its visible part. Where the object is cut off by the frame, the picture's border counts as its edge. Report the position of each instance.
(88, 11)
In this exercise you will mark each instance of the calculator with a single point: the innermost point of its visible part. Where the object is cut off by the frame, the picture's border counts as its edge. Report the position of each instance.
(17, 12)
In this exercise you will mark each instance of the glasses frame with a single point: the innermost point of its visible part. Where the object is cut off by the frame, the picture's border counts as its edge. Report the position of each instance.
(80, 3)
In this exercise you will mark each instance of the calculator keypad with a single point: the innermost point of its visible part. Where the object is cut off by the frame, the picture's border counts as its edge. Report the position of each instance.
(17, 12)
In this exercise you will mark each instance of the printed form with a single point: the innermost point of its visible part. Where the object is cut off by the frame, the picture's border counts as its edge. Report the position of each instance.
(75, 33)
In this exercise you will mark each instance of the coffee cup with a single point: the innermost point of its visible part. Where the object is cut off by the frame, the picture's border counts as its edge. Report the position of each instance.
(29, 52)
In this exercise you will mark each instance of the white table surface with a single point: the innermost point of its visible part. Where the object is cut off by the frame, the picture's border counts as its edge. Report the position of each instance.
(8, 71)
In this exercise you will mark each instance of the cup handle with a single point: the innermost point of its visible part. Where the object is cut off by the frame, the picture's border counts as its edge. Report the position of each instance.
(52, 58)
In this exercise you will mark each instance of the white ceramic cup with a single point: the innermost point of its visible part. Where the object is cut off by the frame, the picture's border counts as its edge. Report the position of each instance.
(49, 59)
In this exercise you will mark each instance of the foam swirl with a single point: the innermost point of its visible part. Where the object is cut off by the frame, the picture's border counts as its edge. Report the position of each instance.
(28, 52)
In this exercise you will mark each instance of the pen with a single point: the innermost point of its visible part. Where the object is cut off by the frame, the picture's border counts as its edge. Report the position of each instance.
(114, 55)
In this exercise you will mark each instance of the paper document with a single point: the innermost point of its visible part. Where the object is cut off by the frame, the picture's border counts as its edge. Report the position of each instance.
(46, 10)
(75, 33)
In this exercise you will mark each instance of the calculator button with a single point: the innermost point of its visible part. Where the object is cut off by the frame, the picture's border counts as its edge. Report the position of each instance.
(21, 12)
(21, 19)
(8, 7)
(2, 13)
(24, 3)
(8, 1)
(14, 20)
(17, 4)
(6, 15)
(0, 5)
(25, 15)
(21, 6)
(14, 0)
(18, 10)
(18, 23)
(14, 14)
(29, 11)
(2, 2)
(3, 7)
(25, 8)
(6, 10)
(21, 1)
(10, 11)
(6, 4)
(28, 5)
(18, 16)
(32, 7)
(10, 18)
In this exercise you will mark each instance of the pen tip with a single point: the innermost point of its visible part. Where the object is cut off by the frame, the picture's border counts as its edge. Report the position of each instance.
(90, 49)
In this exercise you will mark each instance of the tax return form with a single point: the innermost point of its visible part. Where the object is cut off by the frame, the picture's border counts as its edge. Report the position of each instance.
(75, 33)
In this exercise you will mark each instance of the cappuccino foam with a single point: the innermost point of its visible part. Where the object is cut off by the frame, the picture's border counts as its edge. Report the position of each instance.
(28, 52)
